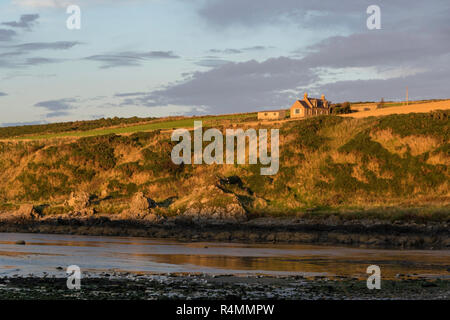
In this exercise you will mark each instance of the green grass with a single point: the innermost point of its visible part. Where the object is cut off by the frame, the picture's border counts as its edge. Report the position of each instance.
(173, 124)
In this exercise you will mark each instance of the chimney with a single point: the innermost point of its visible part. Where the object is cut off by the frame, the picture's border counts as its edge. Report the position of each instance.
(305, 96)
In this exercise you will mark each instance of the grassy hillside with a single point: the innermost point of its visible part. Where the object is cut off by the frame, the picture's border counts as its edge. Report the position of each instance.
(112, 126)
(326, 163)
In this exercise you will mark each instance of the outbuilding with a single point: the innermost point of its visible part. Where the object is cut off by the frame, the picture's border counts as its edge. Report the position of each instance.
(272, 115)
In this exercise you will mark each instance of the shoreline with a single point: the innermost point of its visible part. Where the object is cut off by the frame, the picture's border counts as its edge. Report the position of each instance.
(126, 286)
(354, 233)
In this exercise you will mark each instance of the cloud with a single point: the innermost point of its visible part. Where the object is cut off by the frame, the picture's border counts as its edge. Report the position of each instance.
(64, 3)
(13, 52)
(40, 60)
(7, 35)
(42, 3)
(212, 62)
(235, 87)
(250, 13)
(256, 48)
(57, 114)
(57, 45)
(384, 48)
(26, 22)
(129, 58)
(225, 51)
(390, 59)
(2, 94)
(129, 94)
(237, 51)
(57, 108)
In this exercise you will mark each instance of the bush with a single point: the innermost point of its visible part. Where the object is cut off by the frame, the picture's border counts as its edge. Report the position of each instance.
(95, 150)
(343, 108)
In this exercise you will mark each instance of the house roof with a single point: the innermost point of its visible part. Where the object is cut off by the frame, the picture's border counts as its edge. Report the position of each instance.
(300, 103)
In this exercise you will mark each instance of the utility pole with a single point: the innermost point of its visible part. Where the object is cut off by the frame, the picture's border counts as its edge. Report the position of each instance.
(407, 96)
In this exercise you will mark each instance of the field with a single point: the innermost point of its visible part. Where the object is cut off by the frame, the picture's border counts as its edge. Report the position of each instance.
(160, 124)
(398, 108)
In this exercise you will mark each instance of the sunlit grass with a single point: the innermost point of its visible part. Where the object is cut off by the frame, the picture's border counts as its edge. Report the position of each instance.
(160, 125)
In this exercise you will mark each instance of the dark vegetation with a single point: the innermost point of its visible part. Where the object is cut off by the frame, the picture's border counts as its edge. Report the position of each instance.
(10, 132)
(341, 108)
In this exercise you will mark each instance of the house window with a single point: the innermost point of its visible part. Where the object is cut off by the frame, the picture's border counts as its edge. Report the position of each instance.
(274, 113)
(297, 111)
(265, 114)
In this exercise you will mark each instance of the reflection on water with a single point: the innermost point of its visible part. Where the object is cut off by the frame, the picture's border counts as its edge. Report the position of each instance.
(43, 253)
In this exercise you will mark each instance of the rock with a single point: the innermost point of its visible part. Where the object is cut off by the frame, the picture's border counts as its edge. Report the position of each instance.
(26, 212)
(140, 208)
(213, 204)
(429, 284)
(79, 200)
(142, 203)
(151, 217)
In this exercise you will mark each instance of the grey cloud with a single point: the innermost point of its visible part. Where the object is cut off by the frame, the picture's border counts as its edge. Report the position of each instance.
(57, 108)
(8, 64)
(421, 61)
(40, 60)
(34, 61)
(129, 94)
(57, 45)
(2, 94)
(26, 48)
(250, 12)
(129, 58)
(7, 35)
(256, 48)
(57, 114)
(426, 85)
(237, 51)
(212, 62)
(381, 48)
(235, 87)
(225, 51)
(324, 14)
(12, 53)
(26, 21)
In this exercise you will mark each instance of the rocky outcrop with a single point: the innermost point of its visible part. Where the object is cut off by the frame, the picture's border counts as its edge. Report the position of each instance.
(212, 203)
(140, 208)
(26, 212)
(80, 201)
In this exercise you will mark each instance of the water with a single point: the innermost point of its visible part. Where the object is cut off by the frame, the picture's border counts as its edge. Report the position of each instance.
(44, 253)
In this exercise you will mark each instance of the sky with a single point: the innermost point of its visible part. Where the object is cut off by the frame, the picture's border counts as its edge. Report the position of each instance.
(154, 58)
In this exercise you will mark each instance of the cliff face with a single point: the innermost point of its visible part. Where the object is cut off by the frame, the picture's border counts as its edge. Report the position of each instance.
(325, 163)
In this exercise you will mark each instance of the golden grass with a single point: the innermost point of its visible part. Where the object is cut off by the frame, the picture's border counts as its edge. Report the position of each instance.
(414, 108)
(399, 145)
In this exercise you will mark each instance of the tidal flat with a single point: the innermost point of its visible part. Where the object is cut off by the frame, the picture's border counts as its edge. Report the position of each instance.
(127, 286)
